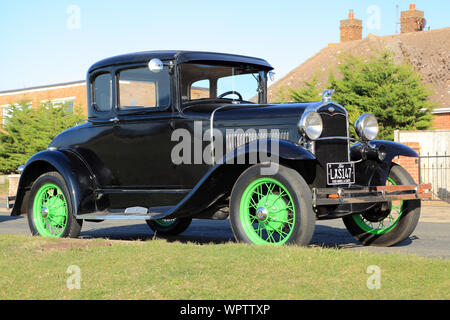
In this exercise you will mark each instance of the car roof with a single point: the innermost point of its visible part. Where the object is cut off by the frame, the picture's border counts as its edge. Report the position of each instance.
(180, 56)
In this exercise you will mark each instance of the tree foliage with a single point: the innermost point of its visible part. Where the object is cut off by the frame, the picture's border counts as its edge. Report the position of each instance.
(31, 130)
(309, 93)
(392, 92)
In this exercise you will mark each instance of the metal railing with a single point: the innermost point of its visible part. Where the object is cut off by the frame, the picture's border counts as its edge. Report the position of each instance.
(435, 169)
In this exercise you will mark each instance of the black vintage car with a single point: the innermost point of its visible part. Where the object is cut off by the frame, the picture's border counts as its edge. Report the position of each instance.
(173, 136)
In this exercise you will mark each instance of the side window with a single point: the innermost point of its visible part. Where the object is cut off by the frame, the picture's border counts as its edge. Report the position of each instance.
(102, 91)
(200, 90)
(141, 88)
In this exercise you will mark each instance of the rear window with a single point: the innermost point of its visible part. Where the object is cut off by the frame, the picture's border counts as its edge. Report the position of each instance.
(102, 91)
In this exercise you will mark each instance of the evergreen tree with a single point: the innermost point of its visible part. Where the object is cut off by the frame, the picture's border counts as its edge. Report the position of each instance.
(393, 93)
(31, 130)
(307, 94)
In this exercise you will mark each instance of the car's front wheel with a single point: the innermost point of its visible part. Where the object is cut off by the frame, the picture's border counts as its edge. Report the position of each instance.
(389, 226)
(50, 212)
(272, 210)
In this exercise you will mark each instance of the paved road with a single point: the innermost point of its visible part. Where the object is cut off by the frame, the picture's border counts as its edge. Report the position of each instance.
(430, 239)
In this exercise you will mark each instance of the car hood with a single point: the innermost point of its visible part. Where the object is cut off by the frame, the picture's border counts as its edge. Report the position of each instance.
(244, 112)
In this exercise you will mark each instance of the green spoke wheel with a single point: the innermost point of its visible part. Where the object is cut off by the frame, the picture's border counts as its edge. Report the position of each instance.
(390, 223)
(272, 210)
(387, 224)
(169, 227)
(49, 208)
(50, 211)
(165, 222)
(267, 212)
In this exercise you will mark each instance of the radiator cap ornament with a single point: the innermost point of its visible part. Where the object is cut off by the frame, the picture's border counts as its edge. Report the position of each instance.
(327, 94)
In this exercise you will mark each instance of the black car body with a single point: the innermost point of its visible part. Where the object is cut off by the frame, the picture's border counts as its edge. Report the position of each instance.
(119, 163)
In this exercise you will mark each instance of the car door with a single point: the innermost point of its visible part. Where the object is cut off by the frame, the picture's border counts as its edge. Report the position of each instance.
(95, 140)
(145, 173)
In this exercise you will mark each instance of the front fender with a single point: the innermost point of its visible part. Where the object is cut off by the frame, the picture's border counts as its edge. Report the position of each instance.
(266, 150)
(376, 172)
(220, 179)
(395, 149)
(78, 179)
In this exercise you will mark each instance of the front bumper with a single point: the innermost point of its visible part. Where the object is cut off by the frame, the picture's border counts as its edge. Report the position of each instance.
(10, 202)
(336, 196)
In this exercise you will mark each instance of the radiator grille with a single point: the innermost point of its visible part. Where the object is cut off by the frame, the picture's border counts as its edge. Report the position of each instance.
(333, 151)
(240, 137)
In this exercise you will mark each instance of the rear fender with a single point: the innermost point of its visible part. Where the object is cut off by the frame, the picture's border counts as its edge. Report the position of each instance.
(79, 181)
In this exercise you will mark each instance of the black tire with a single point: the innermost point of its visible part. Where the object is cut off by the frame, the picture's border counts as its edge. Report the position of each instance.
(73, 226)
(301, 228)
(406, 222)
(178, 226)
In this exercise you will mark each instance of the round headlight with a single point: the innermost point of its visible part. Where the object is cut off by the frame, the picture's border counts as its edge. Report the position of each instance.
(367, 127)
(311, 125)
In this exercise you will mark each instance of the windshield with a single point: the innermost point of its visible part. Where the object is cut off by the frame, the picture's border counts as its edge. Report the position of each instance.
(240, 83)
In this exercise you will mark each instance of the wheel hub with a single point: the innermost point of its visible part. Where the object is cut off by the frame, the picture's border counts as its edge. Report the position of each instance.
(272, 212)
(44, 212)
(262, 214)
(378, 213)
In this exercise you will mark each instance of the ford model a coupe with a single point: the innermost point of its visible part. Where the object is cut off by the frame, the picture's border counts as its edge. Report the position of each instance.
(175, 135)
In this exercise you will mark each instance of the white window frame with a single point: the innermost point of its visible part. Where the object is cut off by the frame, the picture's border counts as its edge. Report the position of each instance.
(58, 102)
(6, 115)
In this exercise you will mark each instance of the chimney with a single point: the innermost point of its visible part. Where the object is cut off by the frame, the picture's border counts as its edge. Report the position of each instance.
(351, 28)
(412, 20)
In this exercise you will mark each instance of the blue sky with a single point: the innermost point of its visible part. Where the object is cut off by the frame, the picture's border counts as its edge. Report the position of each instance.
(53, 41)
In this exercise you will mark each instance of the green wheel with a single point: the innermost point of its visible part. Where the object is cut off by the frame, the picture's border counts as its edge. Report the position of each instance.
(169, 227)
(49, 209)
(381, 226)
(390, 226)
(272, 210)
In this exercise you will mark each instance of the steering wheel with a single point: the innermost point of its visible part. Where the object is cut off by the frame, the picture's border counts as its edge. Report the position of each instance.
(231, 92)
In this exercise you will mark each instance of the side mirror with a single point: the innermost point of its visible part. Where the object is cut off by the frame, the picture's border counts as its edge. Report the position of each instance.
(155, 65)
(272, 76)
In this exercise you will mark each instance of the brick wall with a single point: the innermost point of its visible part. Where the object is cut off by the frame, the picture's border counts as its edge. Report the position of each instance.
(36, 96)
(13, 181)
(410, 164)
(441, 121)
(412, 20)
(351, 29)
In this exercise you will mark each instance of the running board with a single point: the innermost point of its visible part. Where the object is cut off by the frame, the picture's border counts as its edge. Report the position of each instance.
(132, 213)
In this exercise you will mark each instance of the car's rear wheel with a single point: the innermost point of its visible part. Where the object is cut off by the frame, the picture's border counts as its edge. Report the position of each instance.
(50, 212)
(378, 227)
(272, 210)
(169, 227)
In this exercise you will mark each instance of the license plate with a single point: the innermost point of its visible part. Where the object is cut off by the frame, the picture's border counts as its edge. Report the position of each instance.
(340, 173)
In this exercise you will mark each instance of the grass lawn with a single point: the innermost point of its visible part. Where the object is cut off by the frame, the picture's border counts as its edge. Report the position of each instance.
(36, 268)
